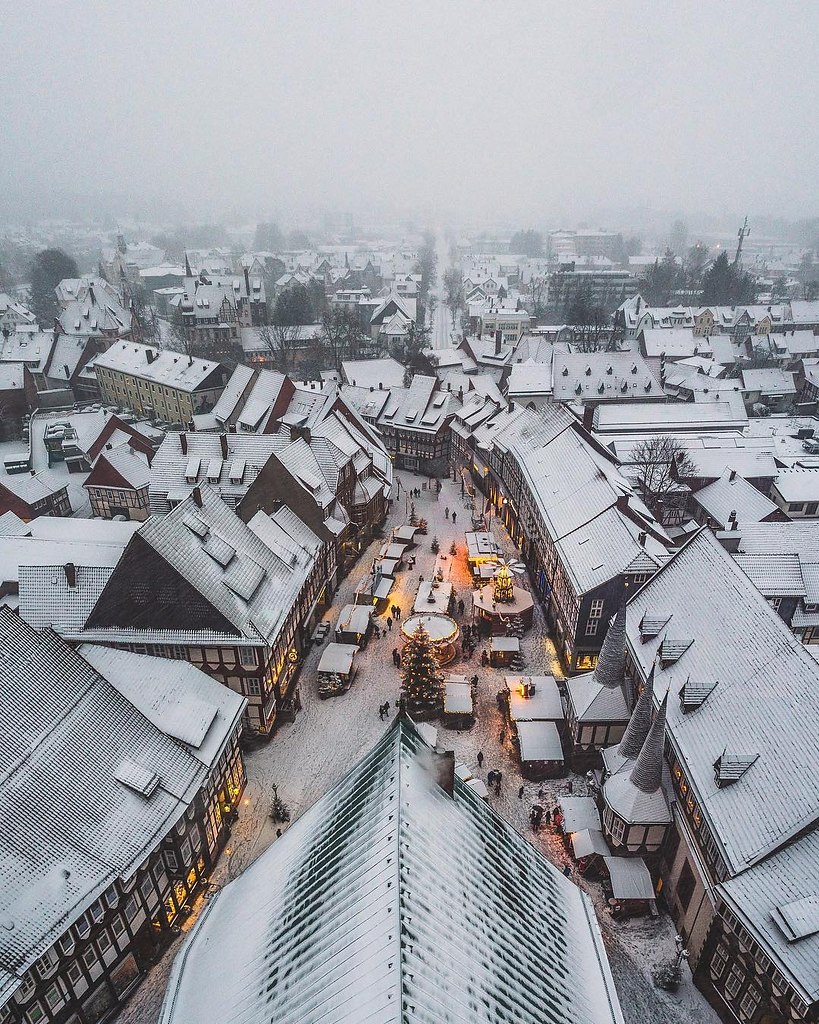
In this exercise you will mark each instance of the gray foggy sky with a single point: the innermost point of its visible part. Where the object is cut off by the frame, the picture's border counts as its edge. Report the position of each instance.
(497, 110)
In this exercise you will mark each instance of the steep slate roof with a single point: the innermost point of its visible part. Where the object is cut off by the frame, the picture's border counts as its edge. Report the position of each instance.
(391, 901)
(250, 583)
(65, 734)
(765, 699)
(732, 493)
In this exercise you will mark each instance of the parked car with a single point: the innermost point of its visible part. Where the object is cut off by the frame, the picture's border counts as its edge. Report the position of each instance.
(811, 446)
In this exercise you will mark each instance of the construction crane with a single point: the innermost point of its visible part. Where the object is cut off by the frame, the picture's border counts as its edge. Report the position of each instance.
(742, 234)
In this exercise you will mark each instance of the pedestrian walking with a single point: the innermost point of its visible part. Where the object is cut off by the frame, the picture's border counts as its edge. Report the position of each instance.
(453, 517)
(571, 787)
(520, 793)
(474, 679)
(297, 699)
(480, 759)
(395, 656)
(389, 623)
(567, 871)
(502, 737)
(381, 712)
(446, 512)
(398, 660)
(498, 778)
(461, 606)
(386, 708)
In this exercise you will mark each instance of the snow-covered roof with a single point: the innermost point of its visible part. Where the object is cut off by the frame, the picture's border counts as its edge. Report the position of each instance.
(373, 373)
(769, 380)
(248, 574)
(539, 741)
(544, 704)
(730, 636)
(795, 485)
(391, 900)
(171, 369)
(733, 495)
(69, 741)
(630, 878)
(727, 413)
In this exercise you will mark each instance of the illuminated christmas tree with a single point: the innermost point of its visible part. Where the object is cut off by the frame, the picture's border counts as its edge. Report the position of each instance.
(503, 592)
(421, 684)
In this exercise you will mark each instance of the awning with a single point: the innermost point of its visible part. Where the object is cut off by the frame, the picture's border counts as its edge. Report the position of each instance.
(505, 643)
(405, 534)
(337, 658)
(589, 841)
(630, 879)
(539, 741)
(458, 698)
(579, 812)
(480, 788)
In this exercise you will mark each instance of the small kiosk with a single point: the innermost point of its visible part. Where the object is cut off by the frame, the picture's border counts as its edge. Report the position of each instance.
(459, 709)
(541, 752)
(502, 651)
(336, 669)
(353, 626)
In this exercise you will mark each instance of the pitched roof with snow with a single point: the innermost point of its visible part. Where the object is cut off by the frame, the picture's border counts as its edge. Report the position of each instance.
(732, 495)
(390, 900)
(171, 369)
(764, 699)
(72, 745)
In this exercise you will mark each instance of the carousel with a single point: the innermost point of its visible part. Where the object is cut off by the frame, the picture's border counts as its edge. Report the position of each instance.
(500, 601)
(443, 632)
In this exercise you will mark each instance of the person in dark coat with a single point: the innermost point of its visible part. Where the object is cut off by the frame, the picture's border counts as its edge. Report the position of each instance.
(461, 606)
(480, 759)
(498, 778)
(453, 517)
(389, 623)
(520, 793)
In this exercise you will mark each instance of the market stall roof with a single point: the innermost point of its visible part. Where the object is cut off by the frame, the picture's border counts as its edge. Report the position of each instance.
(630, 879)
(505, 643)
(588, 841)
(337, 658)
(544, 704)
(579, 812)
(481, 545)
(393, 551)
(405, 534)
(458, 698)
(480, 788)
(428, 733)
(440, 594)
(539, 741)
(354, 618)
(388, 566)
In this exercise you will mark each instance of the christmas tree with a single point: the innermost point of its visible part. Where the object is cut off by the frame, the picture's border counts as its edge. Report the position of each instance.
(413, 516)
(421, 685)
(503, 592)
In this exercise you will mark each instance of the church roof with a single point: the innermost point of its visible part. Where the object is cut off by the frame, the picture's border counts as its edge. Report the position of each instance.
(399, 897)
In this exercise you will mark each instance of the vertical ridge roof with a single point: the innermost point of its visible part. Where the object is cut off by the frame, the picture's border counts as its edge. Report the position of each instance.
(611, 665)
(648, 771)
(639, 724)
(391, 901)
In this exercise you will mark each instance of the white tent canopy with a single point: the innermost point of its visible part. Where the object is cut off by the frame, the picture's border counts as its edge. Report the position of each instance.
(630, 879)
(579, 812)
(588, 841)
(337, 658)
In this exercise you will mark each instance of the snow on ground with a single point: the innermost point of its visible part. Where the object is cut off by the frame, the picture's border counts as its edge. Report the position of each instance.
(307, 757)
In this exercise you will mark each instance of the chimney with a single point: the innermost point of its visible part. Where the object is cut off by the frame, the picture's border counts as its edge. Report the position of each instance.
(732, 475)
(734, 523)
(641, 538)
(67, 370)
(498, 337)
(197, 497)
(150, 355)
(224, 444)
(443, 764)
(247, 283)
(588, 416)
(622, 502)
(183, 443)
(70, 574)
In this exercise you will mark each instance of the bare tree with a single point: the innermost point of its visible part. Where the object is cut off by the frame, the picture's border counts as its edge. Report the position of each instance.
(342, 335)
(539, 289)
(281, 342)
(453, 291)
(660, 462)
(180, 339)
